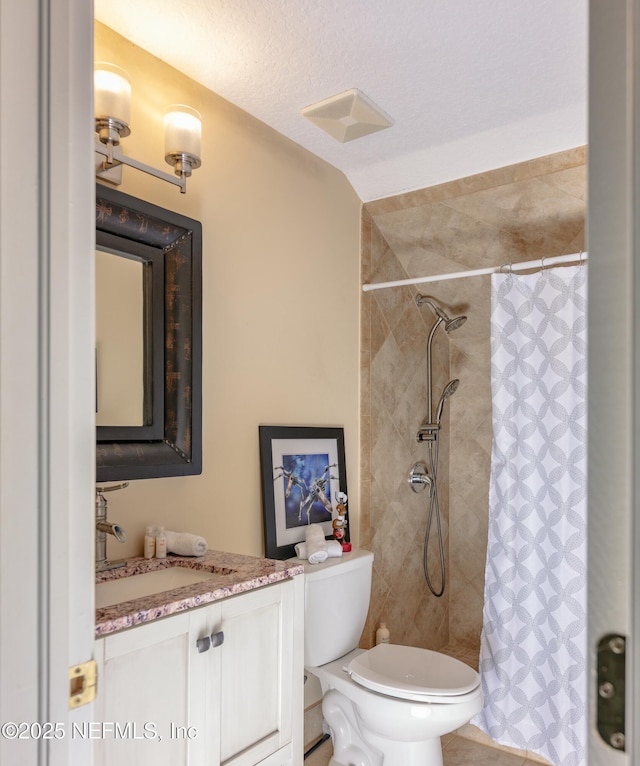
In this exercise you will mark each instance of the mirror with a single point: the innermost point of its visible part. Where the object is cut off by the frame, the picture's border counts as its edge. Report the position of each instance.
(149, 293)
(121, 385)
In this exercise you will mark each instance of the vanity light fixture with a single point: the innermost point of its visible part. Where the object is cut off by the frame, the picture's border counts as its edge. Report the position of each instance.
(182, 131)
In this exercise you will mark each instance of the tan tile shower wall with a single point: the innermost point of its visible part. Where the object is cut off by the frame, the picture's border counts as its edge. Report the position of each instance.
(532, 210)
(393, 518)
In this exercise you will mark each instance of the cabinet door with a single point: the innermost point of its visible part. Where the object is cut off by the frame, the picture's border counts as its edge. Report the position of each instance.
(256, 676)
(148, 689)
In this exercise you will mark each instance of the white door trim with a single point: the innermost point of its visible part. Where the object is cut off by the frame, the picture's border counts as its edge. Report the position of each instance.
(47, 443)
(613, 229)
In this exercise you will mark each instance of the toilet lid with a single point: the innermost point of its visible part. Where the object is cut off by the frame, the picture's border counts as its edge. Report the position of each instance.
(411, 673)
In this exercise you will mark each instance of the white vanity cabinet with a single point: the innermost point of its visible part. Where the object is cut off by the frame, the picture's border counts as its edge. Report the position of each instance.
(147, 683)
(235, 704)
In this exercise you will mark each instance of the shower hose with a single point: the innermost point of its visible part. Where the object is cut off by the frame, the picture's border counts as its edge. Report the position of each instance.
(434, 510)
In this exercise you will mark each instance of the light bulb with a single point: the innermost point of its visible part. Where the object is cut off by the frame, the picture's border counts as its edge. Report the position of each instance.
(112, 94)
(182, 137)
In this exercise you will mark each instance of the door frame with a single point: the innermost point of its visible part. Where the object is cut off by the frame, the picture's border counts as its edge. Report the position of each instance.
(47, 437)
(614, 346)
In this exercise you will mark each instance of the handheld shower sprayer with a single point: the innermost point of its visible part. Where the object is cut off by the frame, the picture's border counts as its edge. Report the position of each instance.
(429, 431)
(449, 390)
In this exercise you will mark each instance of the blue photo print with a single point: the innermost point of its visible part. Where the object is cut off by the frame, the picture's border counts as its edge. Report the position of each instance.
(306, 482)
(303, 471)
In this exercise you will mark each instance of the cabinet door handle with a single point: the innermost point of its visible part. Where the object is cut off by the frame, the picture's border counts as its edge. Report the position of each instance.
(217, 639)
(206, 643)
(203, 644)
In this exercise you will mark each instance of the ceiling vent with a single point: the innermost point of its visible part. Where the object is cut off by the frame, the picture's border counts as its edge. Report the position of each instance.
(347, 116)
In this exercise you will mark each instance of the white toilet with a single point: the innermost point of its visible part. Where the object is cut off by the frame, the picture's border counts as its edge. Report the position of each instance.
(387, 706)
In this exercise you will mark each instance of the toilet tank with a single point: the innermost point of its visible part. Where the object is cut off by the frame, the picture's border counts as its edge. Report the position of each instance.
(335, 606)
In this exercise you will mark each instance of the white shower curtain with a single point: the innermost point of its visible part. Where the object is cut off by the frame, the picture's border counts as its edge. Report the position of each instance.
(534, 650)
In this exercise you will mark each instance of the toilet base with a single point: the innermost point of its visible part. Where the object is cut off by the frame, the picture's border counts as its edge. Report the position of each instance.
(350, 748)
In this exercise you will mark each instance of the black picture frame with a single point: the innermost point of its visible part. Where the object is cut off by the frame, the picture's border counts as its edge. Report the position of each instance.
(170, 443)
(310, 462)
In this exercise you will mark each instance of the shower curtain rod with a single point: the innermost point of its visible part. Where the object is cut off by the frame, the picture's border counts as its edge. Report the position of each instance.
(541, 263)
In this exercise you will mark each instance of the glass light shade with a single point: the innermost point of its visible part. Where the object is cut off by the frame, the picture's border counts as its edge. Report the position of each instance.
(182, 132)
(112, 93)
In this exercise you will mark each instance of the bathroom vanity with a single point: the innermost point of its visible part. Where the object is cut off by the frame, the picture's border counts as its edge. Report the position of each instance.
(206, 673)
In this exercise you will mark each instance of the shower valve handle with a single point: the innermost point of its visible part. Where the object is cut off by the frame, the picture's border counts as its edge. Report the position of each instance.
(419, 479)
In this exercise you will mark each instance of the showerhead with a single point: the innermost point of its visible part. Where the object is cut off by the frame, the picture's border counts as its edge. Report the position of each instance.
(449, 390)
(453, 324)
(449, 324)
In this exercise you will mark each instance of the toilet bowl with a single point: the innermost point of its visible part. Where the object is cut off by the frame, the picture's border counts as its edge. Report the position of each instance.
(386, 706)
(394, 720)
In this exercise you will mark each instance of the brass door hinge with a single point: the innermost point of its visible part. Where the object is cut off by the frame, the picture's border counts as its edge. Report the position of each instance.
(83, 681)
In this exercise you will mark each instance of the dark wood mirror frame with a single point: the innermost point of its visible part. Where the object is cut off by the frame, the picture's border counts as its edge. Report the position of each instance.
(170, 442)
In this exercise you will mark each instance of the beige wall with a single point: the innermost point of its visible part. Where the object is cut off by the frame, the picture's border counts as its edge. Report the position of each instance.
(526, 211)
(280, 302)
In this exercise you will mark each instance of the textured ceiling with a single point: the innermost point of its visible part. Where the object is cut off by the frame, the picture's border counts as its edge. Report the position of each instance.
(470, 85)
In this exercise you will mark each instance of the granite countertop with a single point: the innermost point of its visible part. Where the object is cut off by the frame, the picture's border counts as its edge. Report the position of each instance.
(234, 573)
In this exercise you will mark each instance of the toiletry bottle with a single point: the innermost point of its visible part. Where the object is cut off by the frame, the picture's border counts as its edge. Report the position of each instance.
(382, 634)
(161, 544)
(149, 543)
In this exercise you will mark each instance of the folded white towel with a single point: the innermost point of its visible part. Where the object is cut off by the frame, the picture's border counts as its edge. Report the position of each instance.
(317, 552)
(334, 549)
(314, 532)
(316, 544)
(185, 544)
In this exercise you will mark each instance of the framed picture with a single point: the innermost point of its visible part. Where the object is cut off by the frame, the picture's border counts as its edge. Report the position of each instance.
(303, 470)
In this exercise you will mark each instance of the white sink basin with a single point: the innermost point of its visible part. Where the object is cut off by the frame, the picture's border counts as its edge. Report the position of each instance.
(148, 584)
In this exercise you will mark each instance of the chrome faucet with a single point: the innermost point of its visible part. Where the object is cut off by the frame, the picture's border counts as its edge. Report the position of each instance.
(104, 528)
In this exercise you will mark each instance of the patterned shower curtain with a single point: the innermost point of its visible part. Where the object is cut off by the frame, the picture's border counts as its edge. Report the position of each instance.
(533, 656)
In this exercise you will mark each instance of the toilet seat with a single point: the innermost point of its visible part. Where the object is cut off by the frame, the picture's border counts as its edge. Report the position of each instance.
(415, 674)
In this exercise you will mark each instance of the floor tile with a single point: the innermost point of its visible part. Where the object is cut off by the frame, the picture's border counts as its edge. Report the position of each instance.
(465, 752)
(457, 751)
(320, 757)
